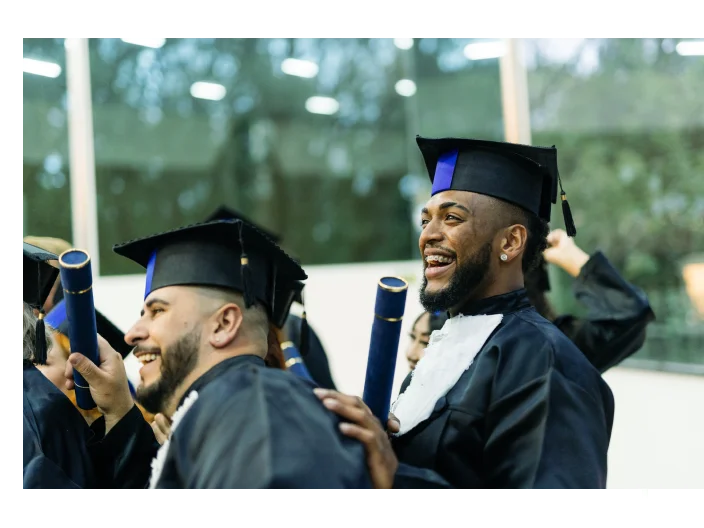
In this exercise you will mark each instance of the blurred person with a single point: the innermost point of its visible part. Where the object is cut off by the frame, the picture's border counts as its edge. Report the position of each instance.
(311, 348)
(55, 246)
(502, 398)
(424, 325)
(203, 335)
(54, 432)
(57, 319)
(618, 312)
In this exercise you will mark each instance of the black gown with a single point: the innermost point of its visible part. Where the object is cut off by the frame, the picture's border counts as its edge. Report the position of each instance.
(529, 412)
(316, 361)
(618, 314)
(54, 436)
(255, 427)
(123, 457)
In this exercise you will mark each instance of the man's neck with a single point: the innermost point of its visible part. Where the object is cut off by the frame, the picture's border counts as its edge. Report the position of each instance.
(210, 360)
(490, 290)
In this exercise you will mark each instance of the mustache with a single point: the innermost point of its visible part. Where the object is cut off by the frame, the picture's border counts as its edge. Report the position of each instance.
(148, 350)
(441, 248)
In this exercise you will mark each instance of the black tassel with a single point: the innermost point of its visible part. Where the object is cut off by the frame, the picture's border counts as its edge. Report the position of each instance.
(566, 211)
(40, 345)
(567, 214)
(245, 273)
(303, 346)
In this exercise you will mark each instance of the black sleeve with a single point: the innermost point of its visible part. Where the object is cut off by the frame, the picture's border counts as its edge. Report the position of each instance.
(122, 458)
(618, 314)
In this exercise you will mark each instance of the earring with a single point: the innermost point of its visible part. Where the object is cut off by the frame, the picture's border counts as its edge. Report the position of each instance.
(504, 257)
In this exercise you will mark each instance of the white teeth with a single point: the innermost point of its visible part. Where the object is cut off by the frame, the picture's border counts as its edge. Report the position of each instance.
(438, 258)
(148, 358)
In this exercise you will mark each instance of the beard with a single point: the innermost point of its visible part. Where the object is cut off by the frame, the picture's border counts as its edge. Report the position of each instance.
(178, 362)
(466, 279)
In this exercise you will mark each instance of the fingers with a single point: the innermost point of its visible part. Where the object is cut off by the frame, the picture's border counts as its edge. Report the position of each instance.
(352, 413)
(555, 236)
(161, 427)
(163, 423)
(367, 437)
(86, 368)
(393, 425)
(106, 352)
(345, 399)
(350, 407)
(160, 437)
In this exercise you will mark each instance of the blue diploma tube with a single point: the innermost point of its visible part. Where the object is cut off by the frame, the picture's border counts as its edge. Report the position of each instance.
(383, 348)
(77, 281)
(294, 361)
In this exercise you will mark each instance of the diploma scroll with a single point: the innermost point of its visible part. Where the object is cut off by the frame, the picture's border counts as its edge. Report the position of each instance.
(383, 348)
(294, 361)
(77, 282)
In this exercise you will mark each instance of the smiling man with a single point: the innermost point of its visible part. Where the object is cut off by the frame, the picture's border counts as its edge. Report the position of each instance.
(502, 398)
(212, 292)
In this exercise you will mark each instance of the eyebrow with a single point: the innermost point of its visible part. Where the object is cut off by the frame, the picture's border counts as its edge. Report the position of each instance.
(152, 302)
(447, 205)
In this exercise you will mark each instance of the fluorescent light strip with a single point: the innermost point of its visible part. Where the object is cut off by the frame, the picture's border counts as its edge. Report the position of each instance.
(322, 105)
(208, 90)
(149, 42)
(405, 87)
(40, 67)
(299, 68)
(690, 48)
(484, 50)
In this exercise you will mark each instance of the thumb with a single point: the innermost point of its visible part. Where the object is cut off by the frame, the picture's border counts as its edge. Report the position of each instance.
(393, 424)
(86, 368)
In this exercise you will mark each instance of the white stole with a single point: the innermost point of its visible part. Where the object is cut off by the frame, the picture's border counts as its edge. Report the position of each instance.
(158, 462)
(450, 352)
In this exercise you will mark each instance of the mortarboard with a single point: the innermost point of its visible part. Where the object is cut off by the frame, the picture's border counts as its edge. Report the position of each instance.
(58, 320)
(229, 254)
(38, 277)
(520, 174)
(225, 213)
(286, 294)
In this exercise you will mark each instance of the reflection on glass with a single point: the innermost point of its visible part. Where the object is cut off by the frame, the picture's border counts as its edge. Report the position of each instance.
(47, 208)
(312, 138)
(627, 116)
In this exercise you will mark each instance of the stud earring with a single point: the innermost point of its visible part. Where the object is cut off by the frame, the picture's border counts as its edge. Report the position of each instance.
(504, 257)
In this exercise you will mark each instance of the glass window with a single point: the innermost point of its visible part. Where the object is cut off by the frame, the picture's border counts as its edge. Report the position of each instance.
(46, 186)
(312, 138)
(627, 116)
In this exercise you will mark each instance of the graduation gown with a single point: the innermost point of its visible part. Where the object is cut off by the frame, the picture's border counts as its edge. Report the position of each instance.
(316, 361)
(529, 412)
(54, 436)
(618, 314)
(242, 425)
(123, 457)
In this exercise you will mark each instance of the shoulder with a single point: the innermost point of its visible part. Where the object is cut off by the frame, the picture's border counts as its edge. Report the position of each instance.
(527, 342)
(253, 392)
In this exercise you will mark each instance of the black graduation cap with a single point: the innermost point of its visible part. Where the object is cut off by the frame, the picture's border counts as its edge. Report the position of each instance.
(228, 254)
(38, 277)
(225, 213)
(58, 320)
(287, 294)
(520, 174)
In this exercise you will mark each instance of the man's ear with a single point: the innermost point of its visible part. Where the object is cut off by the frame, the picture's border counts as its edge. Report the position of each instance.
(227, 324)
(513, 242)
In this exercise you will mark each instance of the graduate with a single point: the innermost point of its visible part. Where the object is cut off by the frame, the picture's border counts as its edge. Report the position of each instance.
(54, 432)
(203, 336)
(618, 312)
(313, 354)
(502, 398)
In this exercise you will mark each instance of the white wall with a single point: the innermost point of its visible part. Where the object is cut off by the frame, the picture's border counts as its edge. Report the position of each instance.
(658, 436)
